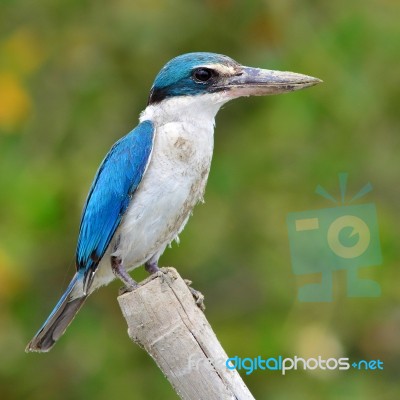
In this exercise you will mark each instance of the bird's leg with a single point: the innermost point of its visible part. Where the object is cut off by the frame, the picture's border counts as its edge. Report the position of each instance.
(151, 267)
(120, 272)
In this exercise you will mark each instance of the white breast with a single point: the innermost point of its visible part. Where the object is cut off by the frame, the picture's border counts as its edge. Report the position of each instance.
(172, 184)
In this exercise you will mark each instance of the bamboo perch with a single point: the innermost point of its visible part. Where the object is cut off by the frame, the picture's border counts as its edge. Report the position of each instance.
(163, 318)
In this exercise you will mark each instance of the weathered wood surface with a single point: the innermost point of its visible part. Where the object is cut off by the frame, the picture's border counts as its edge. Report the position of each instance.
(164, 319)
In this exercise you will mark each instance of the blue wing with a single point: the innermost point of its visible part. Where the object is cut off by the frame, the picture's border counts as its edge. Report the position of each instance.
(114, 184)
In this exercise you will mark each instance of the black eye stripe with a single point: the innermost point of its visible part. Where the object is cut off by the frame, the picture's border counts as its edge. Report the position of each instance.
(203, 75)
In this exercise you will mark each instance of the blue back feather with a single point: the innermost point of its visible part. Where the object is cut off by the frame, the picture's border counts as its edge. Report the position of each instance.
(114, 184)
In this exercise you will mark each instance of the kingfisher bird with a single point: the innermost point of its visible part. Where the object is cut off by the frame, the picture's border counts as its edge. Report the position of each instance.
(147, 185)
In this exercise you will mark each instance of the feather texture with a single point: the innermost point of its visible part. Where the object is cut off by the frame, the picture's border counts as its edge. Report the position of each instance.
(115, 183)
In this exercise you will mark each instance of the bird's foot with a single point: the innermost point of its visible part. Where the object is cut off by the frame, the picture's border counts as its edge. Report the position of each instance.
(198, 296)
(120, 272)
(124, 289)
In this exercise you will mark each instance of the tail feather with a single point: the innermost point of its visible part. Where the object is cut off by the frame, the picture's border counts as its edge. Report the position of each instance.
(57, 322)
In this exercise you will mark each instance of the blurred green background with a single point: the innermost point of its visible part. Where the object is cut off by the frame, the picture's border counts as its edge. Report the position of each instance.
(74, 76)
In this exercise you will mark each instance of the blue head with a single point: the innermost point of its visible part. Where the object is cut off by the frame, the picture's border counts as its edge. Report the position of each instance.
(194, 74)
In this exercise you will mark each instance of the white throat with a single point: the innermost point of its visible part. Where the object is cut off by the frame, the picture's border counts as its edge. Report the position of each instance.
(195, 109)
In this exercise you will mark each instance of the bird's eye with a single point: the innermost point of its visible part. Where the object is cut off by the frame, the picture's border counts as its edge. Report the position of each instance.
(203, 74)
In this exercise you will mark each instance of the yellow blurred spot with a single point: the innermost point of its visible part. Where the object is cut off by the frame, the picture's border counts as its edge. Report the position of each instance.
(15, 103)
(11, 283)
(316, 340)
(22, 52)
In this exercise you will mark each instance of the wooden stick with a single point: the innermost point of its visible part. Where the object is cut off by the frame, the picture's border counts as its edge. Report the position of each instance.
(164, 320)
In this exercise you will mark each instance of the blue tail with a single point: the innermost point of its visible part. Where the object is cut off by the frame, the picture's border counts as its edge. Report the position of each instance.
(58, 321)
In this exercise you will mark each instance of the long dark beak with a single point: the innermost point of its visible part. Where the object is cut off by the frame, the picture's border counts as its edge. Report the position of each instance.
(261, 82)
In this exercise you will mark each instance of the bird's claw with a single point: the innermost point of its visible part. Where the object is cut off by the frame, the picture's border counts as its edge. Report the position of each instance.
(161, 273)
(198, 296)
(127, 289)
